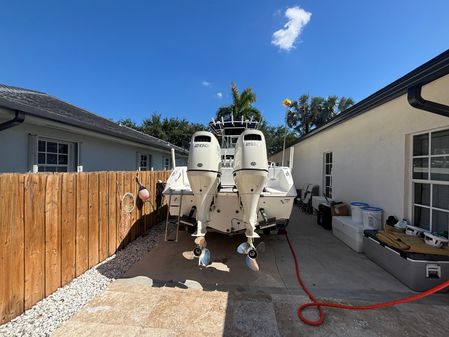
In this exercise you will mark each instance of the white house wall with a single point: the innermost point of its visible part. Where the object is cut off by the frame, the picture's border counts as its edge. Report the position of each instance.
(371, 159)
(97, 154)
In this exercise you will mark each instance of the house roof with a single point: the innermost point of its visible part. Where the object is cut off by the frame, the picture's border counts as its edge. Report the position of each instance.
(428, 72)
(42, 105)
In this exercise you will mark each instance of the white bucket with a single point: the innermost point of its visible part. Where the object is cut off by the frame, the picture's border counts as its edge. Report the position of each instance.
(356, 211)
(372, 217)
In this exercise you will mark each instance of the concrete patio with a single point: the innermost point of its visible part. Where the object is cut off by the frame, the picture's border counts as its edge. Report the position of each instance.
(166, 294)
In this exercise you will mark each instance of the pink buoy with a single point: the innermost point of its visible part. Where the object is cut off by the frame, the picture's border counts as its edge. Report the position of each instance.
(144, 193)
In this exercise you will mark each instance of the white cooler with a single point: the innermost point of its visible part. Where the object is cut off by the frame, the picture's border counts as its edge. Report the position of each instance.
(349, 232)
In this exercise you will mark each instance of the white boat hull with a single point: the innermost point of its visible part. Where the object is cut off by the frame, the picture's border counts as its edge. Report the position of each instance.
(226, 214)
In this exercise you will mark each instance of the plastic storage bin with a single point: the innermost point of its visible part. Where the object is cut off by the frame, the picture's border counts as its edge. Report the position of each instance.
(349, 232)
(372, 217)
(357, 212)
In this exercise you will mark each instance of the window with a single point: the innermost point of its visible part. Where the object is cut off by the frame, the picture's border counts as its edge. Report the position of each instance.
(327, 170)
(145, 162)
(166, 163)
(52, 156)
(430, 180)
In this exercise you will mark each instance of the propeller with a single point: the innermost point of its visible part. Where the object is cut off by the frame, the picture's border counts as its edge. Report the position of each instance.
(246, 248)
(243, 248)
(204, 258)
(201, 252)
(251, 263)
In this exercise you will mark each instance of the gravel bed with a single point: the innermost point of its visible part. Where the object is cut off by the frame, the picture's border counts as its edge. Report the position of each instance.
(48, 314)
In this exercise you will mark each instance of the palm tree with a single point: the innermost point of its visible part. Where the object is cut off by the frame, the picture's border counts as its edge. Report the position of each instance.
(301, 114)
(242, 105)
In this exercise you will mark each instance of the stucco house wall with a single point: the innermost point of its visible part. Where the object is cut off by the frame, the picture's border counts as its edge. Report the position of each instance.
(97, 152)
(371, 152)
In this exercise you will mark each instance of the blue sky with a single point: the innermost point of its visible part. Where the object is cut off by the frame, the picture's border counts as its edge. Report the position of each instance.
(131, 58)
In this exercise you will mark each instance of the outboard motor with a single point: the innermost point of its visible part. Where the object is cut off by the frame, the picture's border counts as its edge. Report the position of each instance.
(203, 172)
(250, 176)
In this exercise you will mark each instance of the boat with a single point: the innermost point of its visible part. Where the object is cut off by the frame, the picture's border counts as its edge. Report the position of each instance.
(229, 187)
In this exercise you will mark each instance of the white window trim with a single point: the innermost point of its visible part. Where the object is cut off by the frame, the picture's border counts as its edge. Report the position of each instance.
(69, 154)
(149, 160)
(428, 181)
(325, 163)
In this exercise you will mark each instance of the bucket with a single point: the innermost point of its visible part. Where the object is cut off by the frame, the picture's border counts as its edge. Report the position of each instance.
(356, 211)
(372, 217)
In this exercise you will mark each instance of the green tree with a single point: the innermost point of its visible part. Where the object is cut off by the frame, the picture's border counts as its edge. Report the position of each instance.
(242, 105)
(274, 137)
(129, 123)
(174, 130)
(308, 112)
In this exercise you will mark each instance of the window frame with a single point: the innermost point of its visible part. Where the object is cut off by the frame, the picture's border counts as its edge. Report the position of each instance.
(429, 181)
(148, 160)
(166, 163)
(42, 167)
(326, 175)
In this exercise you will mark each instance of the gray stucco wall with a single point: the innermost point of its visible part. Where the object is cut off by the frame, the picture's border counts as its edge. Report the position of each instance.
(96, 153)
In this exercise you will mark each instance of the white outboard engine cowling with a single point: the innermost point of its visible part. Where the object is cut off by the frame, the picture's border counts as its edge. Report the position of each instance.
(203, 172)
(250, 174)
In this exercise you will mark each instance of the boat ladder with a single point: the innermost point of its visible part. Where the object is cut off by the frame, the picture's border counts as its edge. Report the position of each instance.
(174, 220)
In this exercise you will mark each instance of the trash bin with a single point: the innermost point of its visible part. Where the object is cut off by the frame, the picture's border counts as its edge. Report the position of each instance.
(324, 216)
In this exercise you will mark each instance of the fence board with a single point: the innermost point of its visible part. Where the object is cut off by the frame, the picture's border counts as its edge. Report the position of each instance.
(103, 220)
(68, 228)
(120, 218)
(112, 212)
(16, 221)
(5, 243)
(127, 218)
(93, 219)
(34, 238)
(82, 224)
(52, 234)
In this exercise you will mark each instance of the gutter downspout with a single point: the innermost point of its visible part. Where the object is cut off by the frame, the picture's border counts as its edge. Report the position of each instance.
(173, 158)
(416, 100)
(17, 120)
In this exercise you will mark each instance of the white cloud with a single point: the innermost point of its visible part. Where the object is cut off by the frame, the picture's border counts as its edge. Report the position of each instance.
(219, 94)
(297, 18)
(205, 83)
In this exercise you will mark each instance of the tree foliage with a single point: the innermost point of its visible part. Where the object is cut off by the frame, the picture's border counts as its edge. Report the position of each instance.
(274, 137)
(174, 130)
(242, 105)
(308, 112)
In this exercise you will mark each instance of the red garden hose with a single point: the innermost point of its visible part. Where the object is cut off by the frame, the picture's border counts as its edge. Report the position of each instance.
(319, 305)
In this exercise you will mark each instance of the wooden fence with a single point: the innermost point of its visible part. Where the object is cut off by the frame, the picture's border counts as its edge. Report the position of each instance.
(53, 227)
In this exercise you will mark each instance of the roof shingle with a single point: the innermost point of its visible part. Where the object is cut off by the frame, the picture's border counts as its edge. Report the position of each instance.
(42, 105)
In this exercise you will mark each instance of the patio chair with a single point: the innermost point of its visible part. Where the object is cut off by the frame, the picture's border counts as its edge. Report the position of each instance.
(304, 198)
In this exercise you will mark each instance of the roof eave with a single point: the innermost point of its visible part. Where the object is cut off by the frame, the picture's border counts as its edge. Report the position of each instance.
(39, 113)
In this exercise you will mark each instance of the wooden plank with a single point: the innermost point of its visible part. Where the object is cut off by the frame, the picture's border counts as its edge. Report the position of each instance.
(82, 224)
(93, 219)
(112, 214)
(17, 249)
(103, 220)
(126, 218)
(68, 228)
(135, 213)
(139, 206)
(5, 244)
(52, 234)
(34, 238)
(120, 220)
(147, 206)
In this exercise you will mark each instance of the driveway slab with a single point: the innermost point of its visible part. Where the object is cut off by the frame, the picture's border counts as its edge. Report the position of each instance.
(167, 294)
